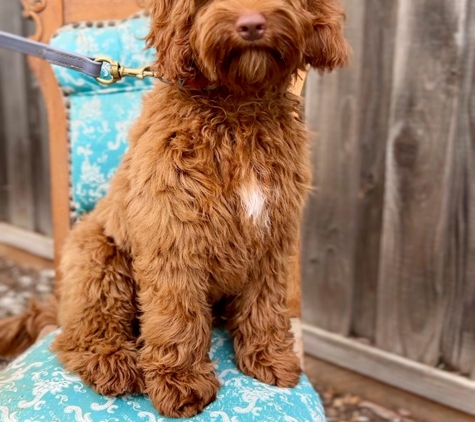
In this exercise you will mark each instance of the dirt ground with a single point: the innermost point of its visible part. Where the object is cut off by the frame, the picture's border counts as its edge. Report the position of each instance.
(18, 283)
(351, 408)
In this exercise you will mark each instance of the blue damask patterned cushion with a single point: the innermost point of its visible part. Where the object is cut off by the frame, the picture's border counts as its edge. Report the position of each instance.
(100, 116)
(36, 387)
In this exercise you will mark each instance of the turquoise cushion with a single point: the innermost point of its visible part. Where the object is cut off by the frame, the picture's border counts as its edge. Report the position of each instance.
(100, 116)
(36, 387)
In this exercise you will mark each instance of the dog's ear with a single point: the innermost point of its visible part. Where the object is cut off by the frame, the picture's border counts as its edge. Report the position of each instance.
(171, 21)
(326, 47)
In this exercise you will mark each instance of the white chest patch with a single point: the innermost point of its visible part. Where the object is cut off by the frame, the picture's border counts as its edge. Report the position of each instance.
(254, 202)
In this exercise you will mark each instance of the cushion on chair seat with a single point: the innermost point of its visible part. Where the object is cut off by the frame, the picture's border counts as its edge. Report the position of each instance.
(36, 387)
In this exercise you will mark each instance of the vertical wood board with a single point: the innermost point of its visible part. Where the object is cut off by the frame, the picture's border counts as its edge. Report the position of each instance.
(411, 296)
(458, 340)
(377, 56)
(328, 238)
(3, 170)
(25, 198)
(15, 120)
(40, 164)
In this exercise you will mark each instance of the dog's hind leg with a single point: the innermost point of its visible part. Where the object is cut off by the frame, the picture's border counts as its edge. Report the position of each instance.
(98, 312)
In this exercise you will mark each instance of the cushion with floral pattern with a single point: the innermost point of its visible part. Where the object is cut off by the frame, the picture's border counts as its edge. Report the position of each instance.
(35, 387)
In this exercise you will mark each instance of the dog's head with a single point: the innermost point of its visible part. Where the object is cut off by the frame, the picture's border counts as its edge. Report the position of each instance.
(242, 43)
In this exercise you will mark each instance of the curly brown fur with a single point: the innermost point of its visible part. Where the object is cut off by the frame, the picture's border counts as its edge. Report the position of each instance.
(98, 312)
(20, 332)
(204, 207)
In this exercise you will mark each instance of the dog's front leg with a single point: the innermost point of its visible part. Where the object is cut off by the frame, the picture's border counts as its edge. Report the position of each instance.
(260, 325)
(176, 336)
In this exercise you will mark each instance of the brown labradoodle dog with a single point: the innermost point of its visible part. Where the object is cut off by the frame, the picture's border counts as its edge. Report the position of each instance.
(204, 207)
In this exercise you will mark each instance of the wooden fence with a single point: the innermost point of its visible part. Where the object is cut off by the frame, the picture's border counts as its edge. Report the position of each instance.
(388, 249)
(24, 164)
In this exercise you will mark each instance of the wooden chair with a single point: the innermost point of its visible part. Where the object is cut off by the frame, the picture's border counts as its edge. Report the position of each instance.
(51, 16)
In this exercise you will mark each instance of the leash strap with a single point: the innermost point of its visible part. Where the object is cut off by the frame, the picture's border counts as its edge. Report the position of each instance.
(87, 65)
(56, 56)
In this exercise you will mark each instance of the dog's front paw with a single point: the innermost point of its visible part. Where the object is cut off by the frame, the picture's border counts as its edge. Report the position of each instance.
(181, 394)
(280, 369)
(112, 372)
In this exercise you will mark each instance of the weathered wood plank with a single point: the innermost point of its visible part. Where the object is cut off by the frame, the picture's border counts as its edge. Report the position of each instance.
(27, 240)
(15, 121)
(328, 237)
(3, 169)
(458, 341)
(471, 268)
(443, 387)
(411, 297)
(378, 55)
(40, 154)
(324, 376)
(24, 165)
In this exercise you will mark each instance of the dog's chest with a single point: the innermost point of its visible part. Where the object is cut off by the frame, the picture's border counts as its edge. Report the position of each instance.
(254, 202)
(261, 203)
(254, 177)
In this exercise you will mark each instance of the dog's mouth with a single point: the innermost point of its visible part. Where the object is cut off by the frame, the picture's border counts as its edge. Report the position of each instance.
(253, 65)
(258, 51)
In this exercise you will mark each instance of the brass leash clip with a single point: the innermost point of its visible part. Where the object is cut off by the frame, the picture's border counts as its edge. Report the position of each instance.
(117, 72)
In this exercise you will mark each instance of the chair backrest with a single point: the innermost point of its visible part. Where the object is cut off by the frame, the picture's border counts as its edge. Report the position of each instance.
(88, 127)
(50, 16)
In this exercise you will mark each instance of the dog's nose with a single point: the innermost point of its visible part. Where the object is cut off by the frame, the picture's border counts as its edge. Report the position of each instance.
(251, 26)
